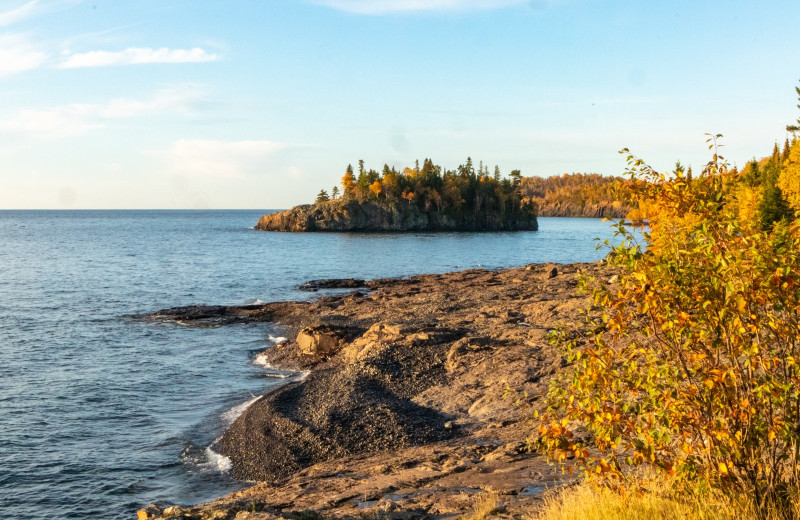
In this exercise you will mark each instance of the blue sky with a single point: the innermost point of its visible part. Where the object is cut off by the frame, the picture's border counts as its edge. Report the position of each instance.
(260, 103)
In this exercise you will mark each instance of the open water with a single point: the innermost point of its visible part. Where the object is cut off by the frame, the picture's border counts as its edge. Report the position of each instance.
(101, 414)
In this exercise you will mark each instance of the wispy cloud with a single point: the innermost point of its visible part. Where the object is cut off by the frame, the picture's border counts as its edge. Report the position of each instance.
(17, 55)
(136, 56)
(80, 118)
(205, 158)
(16, 14)
(376, 7)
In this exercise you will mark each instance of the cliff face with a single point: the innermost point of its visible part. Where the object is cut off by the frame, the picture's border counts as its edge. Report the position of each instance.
(603, 209)
(350, 215)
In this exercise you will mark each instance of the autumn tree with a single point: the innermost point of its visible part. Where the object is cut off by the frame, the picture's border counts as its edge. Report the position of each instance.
(376, 188)
(348, 182)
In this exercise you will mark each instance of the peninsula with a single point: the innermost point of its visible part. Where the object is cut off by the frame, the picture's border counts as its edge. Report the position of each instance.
(418, 400)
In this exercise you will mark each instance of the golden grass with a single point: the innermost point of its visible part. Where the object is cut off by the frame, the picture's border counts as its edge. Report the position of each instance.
(654, 500)
(485, 504)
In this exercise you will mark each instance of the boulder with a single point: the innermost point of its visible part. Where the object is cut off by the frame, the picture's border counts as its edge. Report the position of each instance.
(320, 341)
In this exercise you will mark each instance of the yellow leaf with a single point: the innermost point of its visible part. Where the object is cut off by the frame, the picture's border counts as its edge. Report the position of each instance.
(723, 468)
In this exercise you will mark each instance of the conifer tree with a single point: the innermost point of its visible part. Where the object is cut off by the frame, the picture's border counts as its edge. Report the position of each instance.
(322, 196)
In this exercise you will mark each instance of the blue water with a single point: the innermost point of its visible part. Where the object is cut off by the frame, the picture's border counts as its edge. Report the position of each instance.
(101, 414)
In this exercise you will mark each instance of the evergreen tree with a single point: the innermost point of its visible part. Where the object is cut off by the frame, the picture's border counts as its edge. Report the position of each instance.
(335, 192)
(773, 207)
(322, 196)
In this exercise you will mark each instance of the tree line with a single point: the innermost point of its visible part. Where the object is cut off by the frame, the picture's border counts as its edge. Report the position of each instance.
(464, 192)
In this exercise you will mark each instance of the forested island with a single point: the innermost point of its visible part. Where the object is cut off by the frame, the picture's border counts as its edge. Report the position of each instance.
(425, 198)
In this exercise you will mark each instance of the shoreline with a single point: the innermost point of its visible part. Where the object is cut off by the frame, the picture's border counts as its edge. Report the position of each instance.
(418, 396)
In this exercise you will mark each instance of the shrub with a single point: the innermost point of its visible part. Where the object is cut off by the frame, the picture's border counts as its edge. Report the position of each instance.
(696, 367)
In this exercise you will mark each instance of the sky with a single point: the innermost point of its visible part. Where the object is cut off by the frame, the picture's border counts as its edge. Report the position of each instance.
(261, 103)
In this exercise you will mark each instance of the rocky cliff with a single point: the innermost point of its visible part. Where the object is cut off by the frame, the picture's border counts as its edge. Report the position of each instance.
(609, 209)
(351, 215)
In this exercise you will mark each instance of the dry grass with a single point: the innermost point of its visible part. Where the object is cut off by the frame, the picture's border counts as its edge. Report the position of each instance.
(485, 504)
(654, 500)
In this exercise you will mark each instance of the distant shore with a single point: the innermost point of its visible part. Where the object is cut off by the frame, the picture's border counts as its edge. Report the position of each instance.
(418, 397)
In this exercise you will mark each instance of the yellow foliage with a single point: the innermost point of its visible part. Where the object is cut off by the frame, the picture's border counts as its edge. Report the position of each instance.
(376, 188)
(697, 366)
(348, 183)
(748, 199)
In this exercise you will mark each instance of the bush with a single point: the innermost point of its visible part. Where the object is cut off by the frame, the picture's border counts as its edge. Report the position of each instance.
(696, 367)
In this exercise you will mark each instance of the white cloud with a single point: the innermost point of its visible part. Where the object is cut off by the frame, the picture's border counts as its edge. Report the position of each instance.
(77, 119)
(18, 55)
(21, 12)
(204, 158)
(395, 6)
(135, 56)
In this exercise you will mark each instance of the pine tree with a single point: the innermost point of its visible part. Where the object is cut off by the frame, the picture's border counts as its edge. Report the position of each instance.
(335, 192)
(322, 196)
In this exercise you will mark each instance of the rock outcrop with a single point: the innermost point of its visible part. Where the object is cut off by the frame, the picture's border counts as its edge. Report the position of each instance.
(419, 396)
(373, 216)
(604, 209)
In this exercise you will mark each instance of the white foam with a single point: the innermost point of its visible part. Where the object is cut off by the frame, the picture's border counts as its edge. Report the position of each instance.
(277, 340)
(261, 360)
(234, 413)
(253, 302)
(217, 462)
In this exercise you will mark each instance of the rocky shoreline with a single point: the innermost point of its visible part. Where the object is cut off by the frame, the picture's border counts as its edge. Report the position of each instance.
(419, 399)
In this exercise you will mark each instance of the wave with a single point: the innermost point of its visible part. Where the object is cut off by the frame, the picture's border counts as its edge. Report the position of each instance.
(277, 340)
(216, 461)
(231, 415)
(206, 460)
